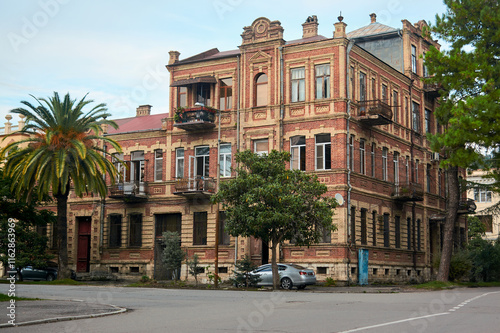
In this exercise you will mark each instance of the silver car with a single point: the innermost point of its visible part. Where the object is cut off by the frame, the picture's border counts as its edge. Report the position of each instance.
(291, 275)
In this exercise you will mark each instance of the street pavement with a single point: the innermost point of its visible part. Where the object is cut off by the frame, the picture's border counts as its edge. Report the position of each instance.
(317, 309)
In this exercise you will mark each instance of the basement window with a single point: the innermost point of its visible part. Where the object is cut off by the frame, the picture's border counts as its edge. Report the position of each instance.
(322, 270)
(222, 270)
(114, 270)
(134, 269)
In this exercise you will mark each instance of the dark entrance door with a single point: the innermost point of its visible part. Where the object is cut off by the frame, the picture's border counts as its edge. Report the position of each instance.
(164, 222)
(83, 247)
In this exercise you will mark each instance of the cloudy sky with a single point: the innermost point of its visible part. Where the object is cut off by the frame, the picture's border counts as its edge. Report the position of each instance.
(117, 50)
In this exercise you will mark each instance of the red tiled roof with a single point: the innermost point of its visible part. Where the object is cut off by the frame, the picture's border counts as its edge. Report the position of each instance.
(137, 124)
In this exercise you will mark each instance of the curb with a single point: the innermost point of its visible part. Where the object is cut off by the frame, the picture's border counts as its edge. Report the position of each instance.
(117, 310)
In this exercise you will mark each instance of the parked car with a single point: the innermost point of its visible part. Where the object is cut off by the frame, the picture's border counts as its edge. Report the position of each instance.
(291, 275)
(36, 274)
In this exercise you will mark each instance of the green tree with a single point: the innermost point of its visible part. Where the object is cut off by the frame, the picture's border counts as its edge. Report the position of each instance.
(64, 150)
(274, 204)
(30, 246)
(173, 255)
(194, 267)
(469, 73)
(242, 276)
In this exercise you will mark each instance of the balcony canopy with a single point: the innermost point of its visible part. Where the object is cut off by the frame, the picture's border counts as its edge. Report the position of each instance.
(188, 82)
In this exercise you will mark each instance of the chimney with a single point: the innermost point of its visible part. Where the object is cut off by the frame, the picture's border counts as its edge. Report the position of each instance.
(310, 27)
(340, 28)
(373, 17)
(143, 110)
(174, 57)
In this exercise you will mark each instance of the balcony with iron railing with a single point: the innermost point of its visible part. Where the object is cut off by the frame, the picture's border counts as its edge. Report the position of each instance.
(467, 206)
(432, 89)
(196, 186)
(374, 112)
(194, 119)
(408, 192)
(129, 191)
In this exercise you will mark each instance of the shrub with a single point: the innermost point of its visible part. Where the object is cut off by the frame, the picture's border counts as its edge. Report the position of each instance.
(460, 265)
(242, 277)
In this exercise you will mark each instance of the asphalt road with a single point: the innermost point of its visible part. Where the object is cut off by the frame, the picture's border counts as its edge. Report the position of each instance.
(162, 310)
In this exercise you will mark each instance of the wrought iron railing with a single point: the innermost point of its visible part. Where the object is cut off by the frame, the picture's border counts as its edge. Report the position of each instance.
(129, 189)
(374, 107)
(408, 192)
(196, 184)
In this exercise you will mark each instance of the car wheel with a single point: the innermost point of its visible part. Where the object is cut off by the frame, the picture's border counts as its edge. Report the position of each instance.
(301, 287)
(50, 277)
(19, 277)
(286, 283)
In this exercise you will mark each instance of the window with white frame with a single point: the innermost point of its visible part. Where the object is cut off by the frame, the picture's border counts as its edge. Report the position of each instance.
(179, 163)
(396, 167)
(374, 147)
(416, 116)
(261, 147)
(395, 106)
(298, 153)
(202, 155)
(427, 121)
(322, 81)
(351, 152)
(158, 165)
(323, 152)
(482, 195)
(298, 84)
(384, 163)
(362, 157)
(414, 59)
(225, 160)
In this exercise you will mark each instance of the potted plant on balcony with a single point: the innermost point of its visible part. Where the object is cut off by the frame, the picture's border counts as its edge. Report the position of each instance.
(178, 114)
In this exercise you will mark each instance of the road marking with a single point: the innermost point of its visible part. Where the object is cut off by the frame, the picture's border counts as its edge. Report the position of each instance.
(394, 322)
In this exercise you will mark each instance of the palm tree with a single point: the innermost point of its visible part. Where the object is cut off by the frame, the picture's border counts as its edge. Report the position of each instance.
(64, 150)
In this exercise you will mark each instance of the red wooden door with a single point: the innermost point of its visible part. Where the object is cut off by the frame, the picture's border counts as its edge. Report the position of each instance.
(83, 249)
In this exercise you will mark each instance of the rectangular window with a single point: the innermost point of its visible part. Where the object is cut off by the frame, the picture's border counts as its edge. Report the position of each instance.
(200, 228)
(362, 157)
(429, 170)
(426, 71)
(397, 228)
(351, 152)
(323, 152)
(202, 155)
(406, 113)
(179, 163)
(115, 230)
(158, 165)
(428, 121)
(351, 81)
(203, 94)
(298, 152)
(416, 116)
(407, 169)
(416, 171)
(414, 59)
(408, 232)
(226, 94)
(167, 222)
(225, 160)
(363, 227)
(384, 163)
(418, 235)
(353, 225)
(135, 234)
(374, 228)
(440, 175)
(223, 235)
(182, 97)
(374, 89)
(396, 167)
(362, 86)
(395, 105)
(482, 195)
(386, 230)
(261, 147)
(374, 146)
(137, 168)
(121, 168)
(385, 98)
(298, 84)
(322, 81)
(325, 234)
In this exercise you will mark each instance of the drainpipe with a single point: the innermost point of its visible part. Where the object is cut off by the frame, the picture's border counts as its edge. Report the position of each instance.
(237, 138)
(349, 186)
(413, 176)
(282, 106)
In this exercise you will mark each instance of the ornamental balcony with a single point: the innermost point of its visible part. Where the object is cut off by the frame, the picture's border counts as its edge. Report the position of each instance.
(408, 192)
(374, 112)
(129, 191)
(195, 119)
(467, 206)
(432, 89)
(195, 187)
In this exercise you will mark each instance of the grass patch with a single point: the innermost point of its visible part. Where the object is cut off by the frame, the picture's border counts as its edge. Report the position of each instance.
(6, 298)
(69, 282)
(436, 285)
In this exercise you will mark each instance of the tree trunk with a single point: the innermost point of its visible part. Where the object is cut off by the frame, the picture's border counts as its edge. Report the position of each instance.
(274, 265)
(449, 225)
(62, 235)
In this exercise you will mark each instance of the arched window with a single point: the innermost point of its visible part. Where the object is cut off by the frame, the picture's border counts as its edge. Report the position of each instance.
(261, 97)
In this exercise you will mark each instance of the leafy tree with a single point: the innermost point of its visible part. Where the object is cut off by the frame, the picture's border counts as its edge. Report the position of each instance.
(173, 255)
(469, 73)
(30, 246)
(63, 150)
(194, 267)
(274, 204)
(242, 276)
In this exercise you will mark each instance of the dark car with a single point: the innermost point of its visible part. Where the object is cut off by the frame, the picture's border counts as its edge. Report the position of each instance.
(36, 274)
(291, 275)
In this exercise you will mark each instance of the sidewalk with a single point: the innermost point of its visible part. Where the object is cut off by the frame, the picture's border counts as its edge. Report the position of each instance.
(44, 311)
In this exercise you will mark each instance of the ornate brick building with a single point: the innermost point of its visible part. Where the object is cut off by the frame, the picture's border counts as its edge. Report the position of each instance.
(351, 109)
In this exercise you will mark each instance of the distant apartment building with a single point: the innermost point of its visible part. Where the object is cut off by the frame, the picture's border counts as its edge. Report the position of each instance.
(484, 200)
(350, 108)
